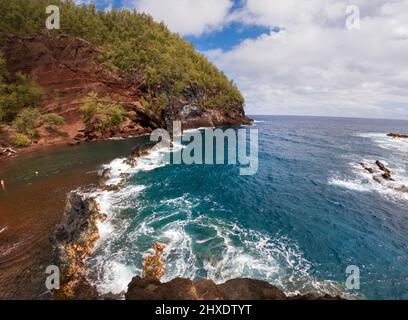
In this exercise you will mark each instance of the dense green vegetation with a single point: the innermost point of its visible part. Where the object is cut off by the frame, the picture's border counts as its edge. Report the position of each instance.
(132, 44)
(20, 103)
(29, 120)
(101, 114)
(23, 92)
(52, 122)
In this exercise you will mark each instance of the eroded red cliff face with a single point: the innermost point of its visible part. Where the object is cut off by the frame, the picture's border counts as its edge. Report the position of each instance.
(68, 68)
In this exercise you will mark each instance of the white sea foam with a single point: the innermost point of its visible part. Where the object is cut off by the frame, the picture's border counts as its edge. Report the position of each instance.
(115, 277)
(232, 252)
(3, 229)
(362, 181)
(393, 155)
(385, 142)
(354, 185)
(116, 169)
(112, 273)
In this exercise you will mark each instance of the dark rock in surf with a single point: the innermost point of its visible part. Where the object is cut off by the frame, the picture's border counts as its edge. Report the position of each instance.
(397, 135)
(138, 152)
(367, 168)
(387, 173)
(74, 240)
(186, 289)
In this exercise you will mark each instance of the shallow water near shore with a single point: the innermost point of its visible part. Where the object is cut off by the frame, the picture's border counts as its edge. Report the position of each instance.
(309, 212)
(33, 204)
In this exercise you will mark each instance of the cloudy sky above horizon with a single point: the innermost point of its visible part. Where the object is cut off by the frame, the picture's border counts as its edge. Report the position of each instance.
(296, 57)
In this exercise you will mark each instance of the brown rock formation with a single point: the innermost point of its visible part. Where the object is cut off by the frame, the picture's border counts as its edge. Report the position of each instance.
(387, 173)
(397, 135)
(368, 169)
(186, 289)
(74, 240)
(383, 175)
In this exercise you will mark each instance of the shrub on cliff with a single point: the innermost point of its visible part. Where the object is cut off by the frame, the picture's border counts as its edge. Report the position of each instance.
(23, 92)
(28, 121)
(133, 45)
(52, 121)
(20, 140)
(101, 115)
(3, 68)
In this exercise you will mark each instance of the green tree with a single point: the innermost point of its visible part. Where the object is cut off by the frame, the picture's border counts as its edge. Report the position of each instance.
(20, 140)
(101, 114)
(27, 122)
(52, 121)
(22, 93)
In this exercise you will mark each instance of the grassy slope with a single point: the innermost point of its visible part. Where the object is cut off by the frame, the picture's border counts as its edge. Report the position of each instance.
(131, 42)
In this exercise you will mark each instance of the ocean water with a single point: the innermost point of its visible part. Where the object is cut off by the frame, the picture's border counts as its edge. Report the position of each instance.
(308, 213)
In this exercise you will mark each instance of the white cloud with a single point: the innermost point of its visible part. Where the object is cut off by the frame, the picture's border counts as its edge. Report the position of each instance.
(314, 65)
(317, 66)
(187, 17)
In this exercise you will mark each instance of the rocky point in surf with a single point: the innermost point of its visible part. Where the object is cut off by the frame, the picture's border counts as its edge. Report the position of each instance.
(397, 135)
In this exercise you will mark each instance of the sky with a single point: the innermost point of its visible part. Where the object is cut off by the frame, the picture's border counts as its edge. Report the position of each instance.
(299, 57)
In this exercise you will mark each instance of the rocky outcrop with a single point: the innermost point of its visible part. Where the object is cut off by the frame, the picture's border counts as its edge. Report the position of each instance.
(397, 135)
(192, 114)
(186, 289)
(74, 240)
(387, 173)
(367, 168)
(383, 175)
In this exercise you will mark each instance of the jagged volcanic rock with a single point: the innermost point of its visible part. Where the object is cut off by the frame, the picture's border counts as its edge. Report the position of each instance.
(186, 289)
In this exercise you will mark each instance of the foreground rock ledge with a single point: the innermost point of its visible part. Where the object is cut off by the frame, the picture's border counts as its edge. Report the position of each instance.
(186, 289)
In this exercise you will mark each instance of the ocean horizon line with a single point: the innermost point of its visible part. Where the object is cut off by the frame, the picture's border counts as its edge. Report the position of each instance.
(321, 116)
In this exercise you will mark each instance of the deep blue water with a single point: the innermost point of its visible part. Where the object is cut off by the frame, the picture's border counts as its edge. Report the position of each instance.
(308, 213)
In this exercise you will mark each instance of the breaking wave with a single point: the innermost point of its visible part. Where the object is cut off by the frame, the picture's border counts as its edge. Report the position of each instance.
(357, 179)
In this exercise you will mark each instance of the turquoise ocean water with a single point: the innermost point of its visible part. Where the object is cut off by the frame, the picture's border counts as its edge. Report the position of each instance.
(308, 213)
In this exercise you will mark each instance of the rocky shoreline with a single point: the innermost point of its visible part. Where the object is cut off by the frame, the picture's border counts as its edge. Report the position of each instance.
(75, 237)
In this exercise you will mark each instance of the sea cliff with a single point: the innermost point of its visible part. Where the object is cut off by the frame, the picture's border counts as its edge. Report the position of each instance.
(135, 72)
